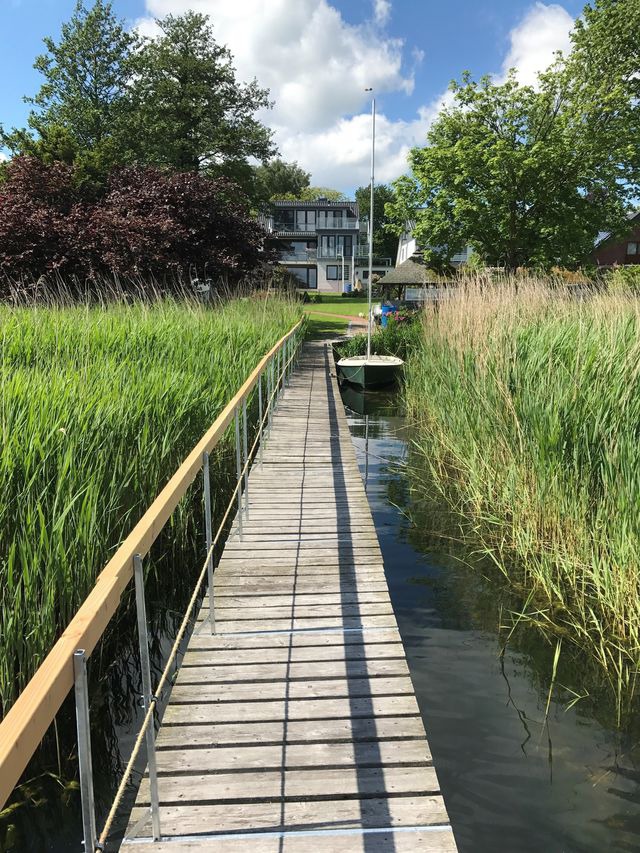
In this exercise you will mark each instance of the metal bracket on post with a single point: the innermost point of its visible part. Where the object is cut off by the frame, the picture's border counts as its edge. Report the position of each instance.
(245, 445)
(260, 416)
(238, 473)
(81, 690)
(208, 536)
(145, 665)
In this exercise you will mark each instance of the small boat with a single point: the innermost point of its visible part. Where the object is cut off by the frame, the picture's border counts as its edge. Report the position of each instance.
(370, 371)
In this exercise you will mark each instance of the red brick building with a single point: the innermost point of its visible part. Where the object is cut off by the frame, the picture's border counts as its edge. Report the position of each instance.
(611, 251)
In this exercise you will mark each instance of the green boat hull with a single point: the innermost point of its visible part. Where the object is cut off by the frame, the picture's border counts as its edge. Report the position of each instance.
(366, 375)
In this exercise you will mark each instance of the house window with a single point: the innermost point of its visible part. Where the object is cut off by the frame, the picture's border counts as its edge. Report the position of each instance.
(284, 220)
(632, 248)
(305, 220)
(332, 272)
(307, 276)
(332, 245)
(365, 274)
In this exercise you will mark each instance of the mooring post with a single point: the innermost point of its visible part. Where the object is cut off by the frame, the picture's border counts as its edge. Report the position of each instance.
(208, 536)
(81, 690)
(245, 444)
(147, 695)
(239, 473)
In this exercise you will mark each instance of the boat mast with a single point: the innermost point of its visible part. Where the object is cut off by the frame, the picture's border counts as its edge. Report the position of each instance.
(373, 155)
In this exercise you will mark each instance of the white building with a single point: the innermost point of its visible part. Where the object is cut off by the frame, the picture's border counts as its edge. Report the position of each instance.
(322, 243)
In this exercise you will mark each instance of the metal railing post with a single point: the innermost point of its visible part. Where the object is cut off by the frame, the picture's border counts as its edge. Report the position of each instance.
(238, 473)
(81, 690)
(269, 393)
(245, 445)
(285, 359)
(260, 416)
(279, 373)
(208, 536)
(147, 695)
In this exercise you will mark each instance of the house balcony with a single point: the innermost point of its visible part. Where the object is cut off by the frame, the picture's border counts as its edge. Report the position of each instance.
(308, 256)
(339, 225)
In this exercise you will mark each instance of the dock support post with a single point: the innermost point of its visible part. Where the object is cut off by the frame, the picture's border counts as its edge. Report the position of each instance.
(81, 690)
(147, 695)
(245, 445)
(208, 536)
(260, 416)
(239, 473)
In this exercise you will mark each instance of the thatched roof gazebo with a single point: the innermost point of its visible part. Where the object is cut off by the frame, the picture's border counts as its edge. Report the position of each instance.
(410, 273)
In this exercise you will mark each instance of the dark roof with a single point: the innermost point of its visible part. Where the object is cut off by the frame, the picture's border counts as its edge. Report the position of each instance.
(317, 203)
(605, 235)
(410, 272)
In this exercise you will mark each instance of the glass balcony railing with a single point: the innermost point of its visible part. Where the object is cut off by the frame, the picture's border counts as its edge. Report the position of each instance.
(307, 255)
(338, 225)
(320, 225)
(290, 227)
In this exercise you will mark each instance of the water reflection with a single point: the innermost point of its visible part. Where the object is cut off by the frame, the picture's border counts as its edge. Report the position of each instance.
(515, 777)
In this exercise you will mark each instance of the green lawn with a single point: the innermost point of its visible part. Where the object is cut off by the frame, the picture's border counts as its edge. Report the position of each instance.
(319, 326)
(335, 304)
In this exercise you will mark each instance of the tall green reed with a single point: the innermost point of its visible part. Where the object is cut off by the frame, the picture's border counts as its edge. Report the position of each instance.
(526, 405)
(98, 406)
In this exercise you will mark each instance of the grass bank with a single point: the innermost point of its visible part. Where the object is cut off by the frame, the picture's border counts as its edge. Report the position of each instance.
(99, 406)
(525, 403)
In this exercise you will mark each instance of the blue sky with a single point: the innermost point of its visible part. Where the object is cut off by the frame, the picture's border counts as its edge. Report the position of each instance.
(317, 56)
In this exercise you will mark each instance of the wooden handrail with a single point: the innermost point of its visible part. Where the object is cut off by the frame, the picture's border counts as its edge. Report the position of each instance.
(34, 710)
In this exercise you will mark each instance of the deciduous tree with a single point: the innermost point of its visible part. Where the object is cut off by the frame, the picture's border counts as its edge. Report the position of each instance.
(277, 179)
(385, 243)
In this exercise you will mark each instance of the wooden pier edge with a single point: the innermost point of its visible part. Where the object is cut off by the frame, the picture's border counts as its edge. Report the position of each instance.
(295, 728)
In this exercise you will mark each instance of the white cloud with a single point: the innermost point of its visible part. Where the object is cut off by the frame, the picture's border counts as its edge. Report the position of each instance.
(381, 11)
(543, 31)
(317, 66)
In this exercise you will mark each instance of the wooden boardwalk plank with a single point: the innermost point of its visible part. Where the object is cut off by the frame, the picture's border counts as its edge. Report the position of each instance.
(295, 728)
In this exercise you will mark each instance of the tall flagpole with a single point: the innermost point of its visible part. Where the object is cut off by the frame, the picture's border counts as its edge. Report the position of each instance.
(373, 157)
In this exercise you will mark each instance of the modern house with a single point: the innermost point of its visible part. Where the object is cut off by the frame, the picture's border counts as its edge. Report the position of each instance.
(611, 251)
(322, 243)
(407, 248)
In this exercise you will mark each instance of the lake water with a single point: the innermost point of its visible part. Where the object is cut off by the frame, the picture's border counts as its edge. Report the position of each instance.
(514, 778)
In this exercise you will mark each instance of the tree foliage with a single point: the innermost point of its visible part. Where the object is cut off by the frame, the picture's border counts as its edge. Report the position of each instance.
(84, 103)
(193, 113)
(149, 222)
(277, 180)
(530, 175)
(314, 193)
(385, 243)
(110, 98)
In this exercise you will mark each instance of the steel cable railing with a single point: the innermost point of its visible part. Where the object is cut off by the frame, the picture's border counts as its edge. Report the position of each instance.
(285, 365)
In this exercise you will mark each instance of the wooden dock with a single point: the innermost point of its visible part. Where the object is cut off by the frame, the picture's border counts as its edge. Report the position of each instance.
(295, 728)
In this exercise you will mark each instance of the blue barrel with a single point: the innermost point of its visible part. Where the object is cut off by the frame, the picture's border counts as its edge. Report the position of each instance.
(347, 286)
(386, 310)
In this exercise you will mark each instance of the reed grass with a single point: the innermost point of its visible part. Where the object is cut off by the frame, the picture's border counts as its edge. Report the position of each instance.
(99, 405)
(525, 400)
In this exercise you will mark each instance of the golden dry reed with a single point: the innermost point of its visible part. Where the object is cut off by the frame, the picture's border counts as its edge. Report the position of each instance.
(525, 397)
